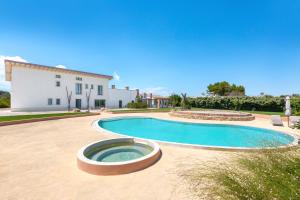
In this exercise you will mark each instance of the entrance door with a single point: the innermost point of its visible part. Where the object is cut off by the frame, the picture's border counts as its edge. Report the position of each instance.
(78, 103)
(120, 104)
(99, 103)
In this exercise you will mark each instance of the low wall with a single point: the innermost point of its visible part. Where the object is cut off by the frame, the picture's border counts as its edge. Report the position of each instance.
(213, 115)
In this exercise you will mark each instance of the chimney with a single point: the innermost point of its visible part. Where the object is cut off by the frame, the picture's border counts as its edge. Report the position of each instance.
(145, 95)
(150, 95)
(127, 88)
(113, 86)
(137, 92)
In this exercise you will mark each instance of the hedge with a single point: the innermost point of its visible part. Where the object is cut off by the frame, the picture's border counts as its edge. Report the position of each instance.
(4, 102)
(271, 104)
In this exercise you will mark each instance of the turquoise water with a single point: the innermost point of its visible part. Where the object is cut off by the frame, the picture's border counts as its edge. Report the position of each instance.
(197, 134)
(120, 153)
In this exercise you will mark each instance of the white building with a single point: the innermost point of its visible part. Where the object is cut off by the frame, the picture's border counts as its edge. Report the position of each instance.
(40, 88)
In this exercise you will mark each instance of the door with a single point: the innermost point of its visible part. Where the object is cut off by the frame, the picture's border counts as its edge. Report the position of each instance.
(99, 103)
(120, 104)
(78, 103)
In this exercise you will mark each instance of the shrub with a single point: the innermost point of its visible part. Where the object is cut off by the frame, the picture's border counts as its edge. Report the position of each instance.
(265, 103)
(175, 100)
(4, 99)
(137, 105)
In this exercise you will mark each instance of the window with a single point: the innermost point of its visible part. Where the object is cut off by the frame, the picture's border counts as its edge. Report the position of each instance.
(57, 101)
(99, 103)
(57, 83)
(86, 86)
(78, 88)
(100, 90)
(49, 102)
(92, 86)
(57, 76)
(78, 79)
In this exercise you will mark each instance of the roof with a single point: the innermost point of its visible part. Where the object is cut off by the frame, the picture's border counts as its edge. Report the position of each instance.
(157, 97)
(10, 63)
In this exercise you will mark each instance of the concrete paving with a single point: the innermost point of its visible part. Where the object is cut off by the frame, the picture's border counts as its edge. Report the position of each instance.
(38, 161)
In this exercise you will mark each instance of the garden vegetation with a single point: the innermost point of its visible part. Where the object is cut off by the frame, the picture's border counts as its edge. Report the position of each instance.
(260, 103)
(138, 104)
(268, 175)
(4, 99)
(175, 100)
(225, 89)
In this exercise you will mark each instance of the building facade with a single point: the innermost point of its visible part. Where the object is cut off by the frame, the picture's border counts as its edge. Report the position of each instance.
(155, 101)
(119, 98)
(42, 88)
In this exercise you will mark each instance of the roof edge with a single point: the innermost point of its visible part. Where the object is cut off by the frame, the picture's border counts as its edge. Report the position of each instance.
(10, 63)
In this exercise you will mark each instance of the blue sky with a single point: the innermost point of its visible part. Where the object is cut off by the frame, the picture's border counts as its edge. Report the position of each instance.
(161, 46)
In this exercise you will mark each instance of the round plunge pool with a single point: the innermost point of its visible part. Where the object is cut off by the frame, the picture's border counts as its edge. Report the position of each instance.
(117, 156)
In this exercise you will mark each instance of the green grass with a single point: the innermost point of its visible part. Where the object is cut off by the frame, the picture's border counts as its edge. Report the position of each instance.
(248, 111)
(261, 176)
(146, 110)
(35, 116)
(265, 113)
(143, 110)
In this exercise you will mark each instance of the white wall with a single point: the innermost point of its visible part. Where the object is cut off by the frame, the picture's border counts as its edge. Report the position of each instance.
(31, 88)
(126, 96)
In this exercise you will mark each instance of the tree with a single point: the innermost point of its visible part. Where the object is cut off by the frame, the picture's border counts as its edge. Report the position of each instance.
(175, 100)
(184, 101)
(225, 89)
(88, 95)
(69, 97)
(138, 99)
(237, 90)
(219, 88)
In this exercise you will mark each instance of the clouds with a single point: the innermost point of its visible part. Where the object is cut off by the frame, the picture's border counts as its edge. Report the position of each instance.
(61, 66)
(159, 90)
(5, 85)
(116, 76)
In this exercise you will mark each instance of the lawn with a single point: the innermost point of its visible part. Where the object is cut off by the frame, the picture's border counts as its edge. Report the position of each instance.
(142, 110)
(37, 116)
(147, 110)
(266, 113)
(249, 111)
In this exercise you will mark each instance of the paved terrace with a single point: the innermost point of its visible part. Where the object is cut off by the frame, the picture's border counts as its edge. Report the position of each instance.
(38, 161)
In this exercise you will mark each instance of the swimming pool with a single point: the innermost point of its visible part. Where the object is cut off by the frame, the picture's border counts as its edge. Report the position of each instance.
(209, 135)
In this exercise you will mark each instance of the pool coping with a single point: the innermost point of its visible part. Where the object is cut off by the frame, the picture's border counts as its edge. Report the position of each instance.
(294, 144)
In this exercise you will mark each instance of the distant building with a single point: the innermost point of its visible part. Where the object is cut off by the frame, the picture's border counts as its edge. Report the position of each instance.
(155, 101)
(41, 88)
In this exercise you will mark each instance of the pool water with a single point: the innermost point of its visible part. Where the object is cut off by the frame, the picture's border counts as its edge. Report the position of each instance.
(119, 152)
(197, 134)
